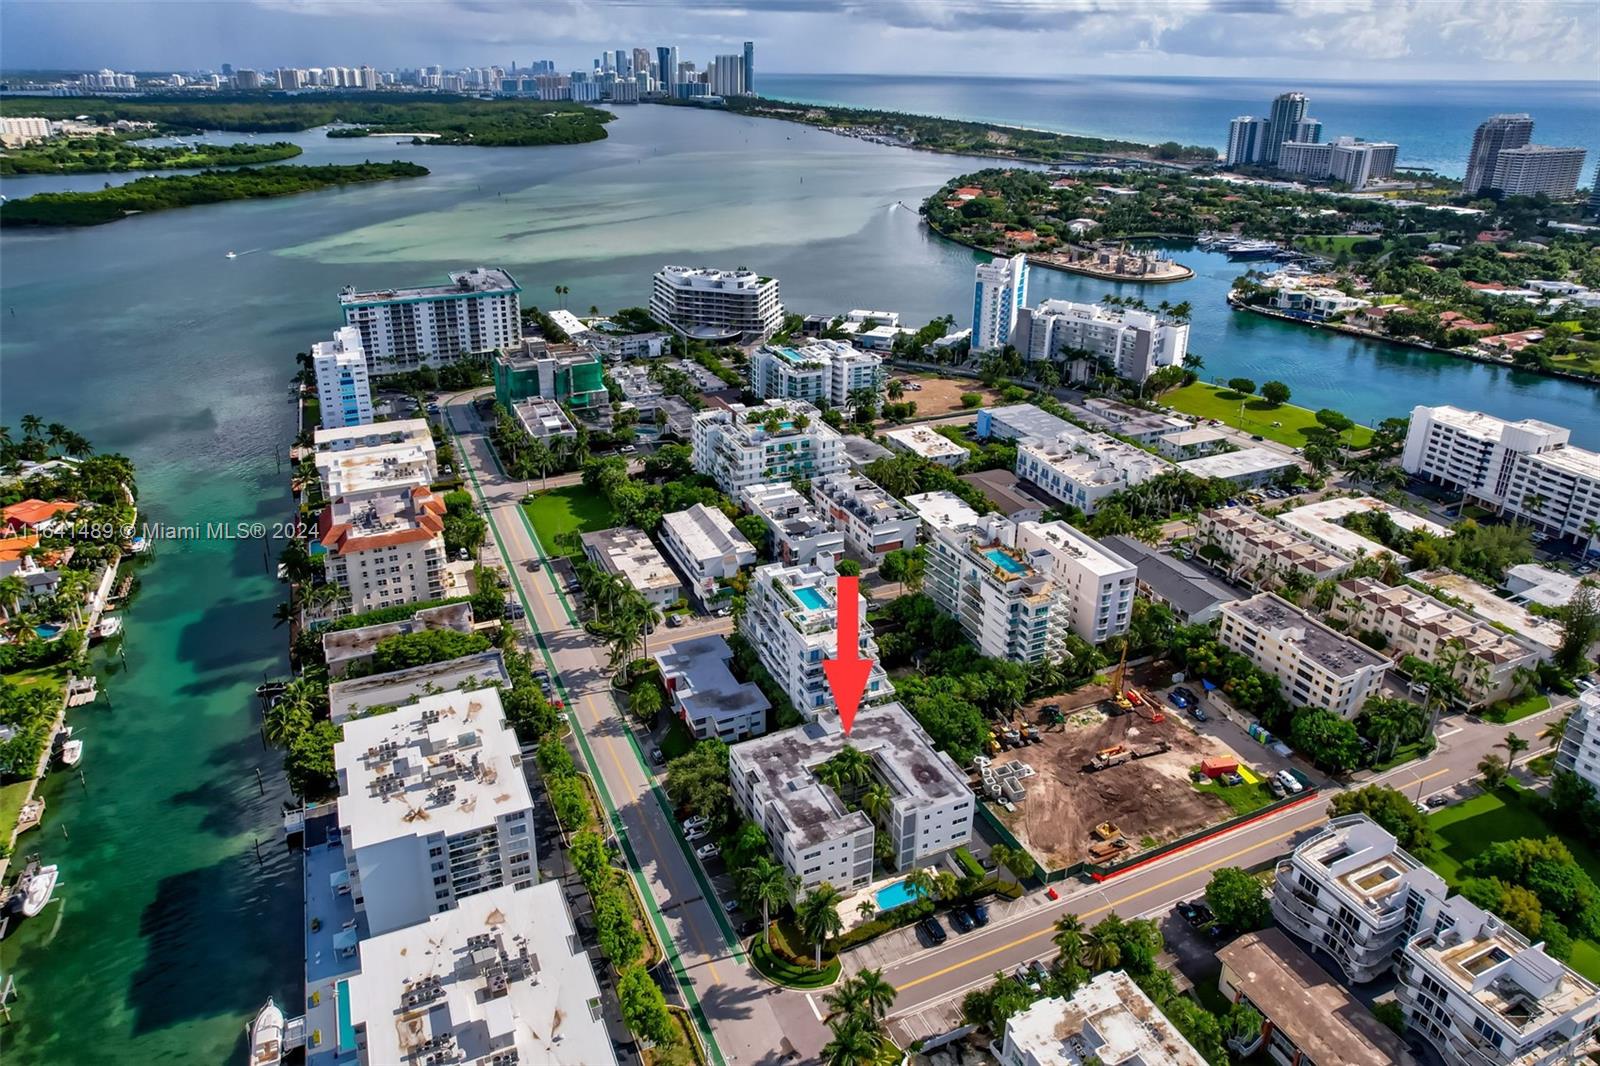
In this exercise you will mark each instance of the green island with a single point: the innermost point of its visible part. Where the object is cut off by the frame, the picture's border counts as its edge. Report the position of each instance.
(106, 154)
(453, 120)
(957, 136)
(209, 187)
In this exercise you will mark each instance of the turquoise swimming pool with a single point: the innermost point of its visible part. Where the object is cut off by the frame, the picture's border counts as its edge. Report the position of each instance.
(347, 1029)
(891, 896)
(810, 599)
(1004, 561)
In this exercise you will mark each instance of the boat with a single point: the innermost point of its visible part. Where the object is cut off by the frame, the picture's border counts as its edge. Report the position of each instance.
(106, 628)
(72, 753)
(137, 545)
(38, 890)
(1252, 249)
(232, 255)
(266, 1036)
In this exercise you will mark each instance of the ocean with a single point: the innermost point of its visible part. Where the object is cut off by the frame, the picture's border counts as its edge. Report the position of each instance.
(1432, 122)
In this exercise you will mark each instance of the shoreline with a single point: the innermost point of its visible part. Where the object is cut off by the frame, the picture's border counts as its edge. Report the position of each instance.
(1046, 264)
(1457, 353)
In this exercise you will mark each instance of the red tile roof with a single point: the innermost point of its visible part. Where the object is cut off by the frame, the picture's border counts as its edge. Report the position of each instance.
(32, 512)
(13, 548)
(344, 539)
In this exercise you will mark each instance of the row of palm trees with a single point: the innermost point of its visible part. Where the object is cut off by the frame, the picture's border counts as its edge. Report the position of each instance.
(857, 1008)
(618, 613)
(60, 439)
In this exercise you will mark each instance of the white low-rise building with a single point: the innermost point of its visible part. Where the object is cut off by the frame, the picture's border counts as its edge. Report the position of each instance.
(738, 446)
(544, 420)
(708, 548)
(384, 548)
(630, 554)
(1108, 1021)
(1083, 469)
(1579, 751)
(941, 510)
(1317, 666)
(706, 696)
(873, 522)
(1019, 421)
(1322, 523)
(712, 304)
(820, 839)
(791, 619)
(1246, 468)
(924, 443)
(800, 535)
(1256, 551)
(407, 329)
(497, 981)
(344, 394)
(348, 438)
(1133, 343)
(1192, 443)
(825, 372)
(433, 807)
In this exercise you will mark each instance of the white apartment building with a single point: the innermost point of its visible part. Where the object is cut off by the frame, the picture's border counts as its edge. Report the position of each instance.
(1245, 467)
(741, 446)
(1019, 421)
(791, 619)
(1018, 588)
(1487, 662)
(1082, 469)
(385, 548)
(344, 395)
(705, 303)
(406, 329)
(1352, 891)
(1315, 303)
(1133, 343)
(706, 696)
(1309, 158)
(16, 131)
(1532, 169)
(1359, 163)
(800, 535)
(707, 547)
(1262, 554)
(873, 522)
(407, 463)
(544, 420)
(941, 510)
(1000, 290)
(1247, 135)
(498, 980)
(924, 443)
(1317, 666)
(1482, 995)
(346, 438)
(825, 372)
(433, 807)
(1579, 752)
(630, 554)
(1525, 469)
(813, 833)
(1323, 523)
(1109, 1021)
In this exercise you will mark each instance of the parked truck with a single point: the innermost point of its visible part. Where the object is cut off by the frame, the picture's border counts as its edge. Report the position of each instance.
(1106, 758)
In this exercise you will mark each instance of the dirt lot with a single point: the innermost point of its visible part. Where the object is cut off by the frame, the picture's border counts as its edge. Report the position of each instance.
(942, 396)
(1150, 800)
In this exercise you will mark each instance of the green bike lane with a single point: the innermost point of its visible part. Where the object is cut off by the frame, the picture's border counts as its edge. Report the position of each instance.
(646, 829)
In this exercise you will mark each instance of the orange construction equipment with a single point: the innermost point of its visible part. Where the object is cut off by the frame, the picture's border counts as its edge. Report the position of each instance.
(1218, 765)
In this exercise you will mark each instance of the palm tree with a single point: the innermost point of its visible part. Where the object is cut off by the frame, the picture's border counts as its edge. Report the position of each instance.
(541, 460)
(31, 425)
(13, 590)
(1100, 951)
(1068, 937)
(866, 908)
(818, 916)
(877, 995)
(768, 884)
(846, 1000)
(919, 883)
(876, 800)
(852, 1045)
(54, 434)
(286, 718)
(1514, 746)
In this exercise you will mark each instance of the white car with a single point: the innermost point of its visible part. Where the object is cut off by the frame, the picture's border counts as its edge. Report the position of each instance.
(694, 822)
(709, 851)
(695, 834)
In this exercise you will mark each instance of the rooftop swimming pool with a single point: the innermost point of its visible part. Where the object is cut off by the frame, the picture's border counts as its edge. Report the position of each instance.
(810, 599)
(1004, 561)
(891, 896)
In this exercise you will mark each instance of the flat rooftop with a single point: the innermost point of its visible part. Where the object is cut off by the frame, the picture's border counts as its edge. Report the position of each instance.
(863, 498)
(923, 441)
(478, 281)
(941, 509)
(1320, 521)
(1291, 991)
(342, 437)
(1064, 540)
(1189, 588)
(501, 972)
(342, 646)
(359, 469)
(1364, 863)
(1532, 583)
(1188, 438)
(783, 507)
(698, 671)
(781, 766)
(711, 278)
(1331, 650)
(1021, 420)
(1008, 492)
(1109, 1020)
(365, 695)
(1246, 462)
(444, 764)
(630, 553)
(706, 533)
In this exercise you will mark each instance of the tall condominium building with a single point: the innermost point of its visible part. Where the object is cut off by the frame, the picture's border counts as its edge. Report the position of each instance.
(1305, 157)
(1358, 163)
(826, 373)
(1082, 469)
(433, 807)
(714, 304)
(1133, 343)
(873, 522)
(384, 548)
(999, 293)
(667, 67)
(1288, 111)
(1107, 1020)
(1492, 136)
(1594, 193)
(344, 396)
(779, 440)
(1317, 666)
(1538, 169)
(501, 978)
(814, 832)
(1525, 469)
(1308, 130)
(728, 76)
(406, 329)
(791, 618)
(1018, 588)
(568, 374)
(750, 67)
(1247, 136)
(1579, 752)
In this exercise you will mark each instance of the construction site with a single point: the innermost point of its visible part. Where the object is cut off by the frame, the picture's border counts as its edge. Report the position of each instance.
(1102, 774)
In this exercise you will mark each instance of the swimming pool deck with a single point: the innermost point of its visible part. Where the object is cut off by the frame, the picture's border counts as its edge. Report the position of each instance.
(324, 966)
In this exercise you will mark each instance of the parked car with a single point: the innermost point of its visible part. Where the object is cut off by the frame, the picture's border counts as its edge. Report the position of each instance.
(962, 921)
(731, 905)
(1291, 783)
(1187, 693)
(674, 620)
(535, 564)
(694, 821)
(1196, 913)
(933, 930)
(1197, 714)
(695, 834)
(707, 851)
(1179, 700)
(1025, 977)
(656, 756)
(980, 913)
(749, 927)
(1437, 800)
(463, 554)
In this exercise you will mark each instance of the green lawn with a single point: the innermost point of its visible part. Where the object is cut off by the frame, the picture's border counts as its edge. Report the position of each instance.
(1211, 401)
(571, 509)
(54, 676)
(1403, 753)
(1333, 244)
(11, 800)
(1513, 710)
(1244, 799)
(787, 973)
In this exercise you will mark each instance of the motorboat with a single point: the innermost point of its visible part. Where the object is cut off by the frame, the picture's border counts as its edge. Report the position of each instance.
(232, 255)
(71, 753)
(106, 628)
(1253, 249)
(39, 889)
(266, 1036)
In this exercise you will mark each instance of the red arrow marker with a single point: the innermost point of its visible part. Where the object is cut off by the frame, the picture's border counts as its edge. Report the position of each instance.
(847, 671)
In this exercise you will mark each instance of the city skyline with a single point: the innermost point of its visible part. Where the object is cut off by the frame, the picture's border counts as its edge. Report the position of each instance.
(1466, 39)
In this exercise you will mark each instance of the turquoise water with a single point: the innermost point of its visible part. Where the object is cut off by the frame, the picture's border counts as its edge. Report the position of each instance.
(46, 632)
(347, 1030)
(810, 598)
(895, 895)
(1005, 562)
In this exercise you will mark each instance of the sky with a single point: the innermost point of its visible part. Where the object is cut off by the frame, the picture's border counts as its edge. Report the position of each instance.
(1326, 39)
